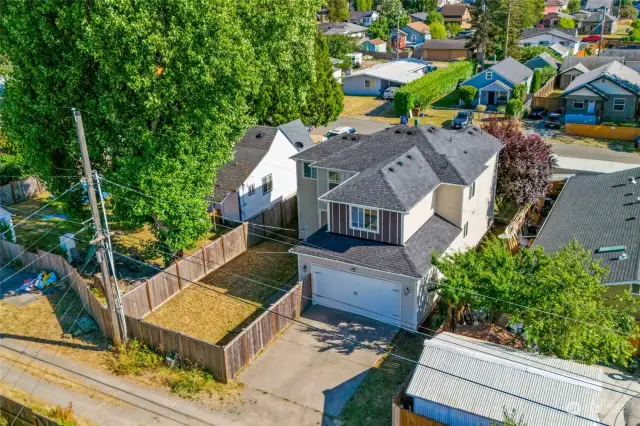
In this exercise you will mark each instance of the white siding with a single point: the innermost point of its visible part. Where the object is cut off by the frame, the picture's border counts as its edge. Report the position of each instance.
(449, 203)
(418, 215)
(283, 172)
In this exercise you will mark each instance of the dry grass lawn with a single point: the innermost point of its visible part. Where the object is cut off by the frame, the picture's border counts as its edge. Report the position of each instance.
(216, 318)
(367, 106)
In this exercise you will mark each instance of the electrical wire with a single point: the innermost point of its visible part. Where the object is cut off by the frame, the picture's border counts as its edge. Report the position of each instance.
(31, 245)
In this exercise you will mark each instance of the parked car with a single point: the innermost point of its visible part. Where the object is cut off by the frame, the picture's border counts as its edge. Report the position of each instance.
(592, 38)
(462, 119)
(537, 113)
(338, 131)
(629, 46)
(390, 92)
(553, 121)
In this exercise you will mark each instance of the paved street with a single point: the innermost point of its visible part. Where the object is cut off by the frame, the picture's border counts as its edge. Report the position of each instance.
(366, 127)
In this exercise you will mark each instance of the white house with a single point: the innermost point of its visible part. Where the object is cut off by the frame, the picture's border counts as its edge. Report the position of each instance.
(260, 173)
(373, 209)
(374, 80)
(365, 18)
(550, 37)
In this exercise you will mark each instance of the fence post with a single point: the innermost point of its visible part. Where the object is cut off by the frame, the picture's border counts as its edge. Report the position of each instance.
(148, 295)
(204, 258)
(245, 229)
(13, 192)
(178, 275)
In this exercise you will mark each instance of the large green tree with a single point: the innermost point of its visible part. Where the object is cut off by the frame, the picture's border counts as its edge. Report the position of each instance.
(363, 5)
(395, 13)
(573, 6)
(340, 45)
(325, 88)
(420, 5)
(438, 31)
(338, 10)
(558, 297)
(379, 29)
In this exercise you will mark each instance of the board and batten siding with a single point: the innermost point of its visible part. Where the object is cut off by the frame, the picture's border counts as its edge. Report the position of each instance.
(390, 225)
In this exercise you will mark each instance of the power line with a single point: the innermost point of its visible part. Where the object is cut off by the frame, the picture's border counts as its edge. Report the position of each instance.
(369, 346)
(31, 245)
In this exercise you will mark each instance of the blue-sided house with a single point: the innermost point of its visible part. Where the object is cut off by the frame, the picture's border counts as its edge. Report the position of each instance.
(417, 33)
(495, 85)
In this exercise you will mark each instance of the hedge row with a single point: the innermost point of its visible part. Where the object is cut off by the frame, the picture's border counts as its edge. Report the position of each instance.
(434, 85)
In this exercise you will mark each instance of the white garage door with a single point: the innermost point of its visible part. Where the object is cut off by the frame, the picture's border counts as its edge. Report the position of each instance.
(360, 294)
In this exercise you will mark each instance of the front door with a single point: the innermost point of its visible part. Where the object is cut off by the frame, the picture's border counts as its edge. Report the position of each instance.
(591, 107)
(491, 98)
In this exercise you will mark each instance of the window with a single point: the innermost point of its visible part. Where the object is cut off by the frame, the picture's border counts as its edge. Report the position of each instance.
(489, 75)
(618, 104)
(367, 83)
(413, 38)
(334, 179)
(527, 44)
(578, 104)
(543, 43)
(472, 190)
(252, 189)
(364, 219)
(267, 184)
(635, 288)
(572, 77)
(465, 230)
(309, 172)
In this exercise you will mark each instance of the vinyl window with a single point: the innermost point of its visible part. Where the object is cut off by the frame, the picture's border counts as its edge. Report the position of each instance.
(465, 230)
(619, 103)
(310, 172)
(252, 189)
(472, 190)
(577, 104)
(267, 184)
(334, 179)
(367, 83)
(635, 288)
(364, 219)
(489, 75)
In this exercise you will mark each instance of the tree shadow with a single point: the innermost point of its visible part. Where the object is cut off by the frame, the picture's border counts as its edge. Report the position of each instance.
(384, 110)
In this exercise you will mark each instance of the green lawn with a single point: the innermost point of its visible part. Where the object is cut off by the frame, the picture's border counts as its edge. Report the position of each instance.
(449, 101)
(371, 403)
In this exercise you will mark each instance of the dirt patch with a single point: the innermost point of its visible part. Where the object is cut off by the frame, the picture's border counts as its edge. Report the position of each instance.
(216, 318)
(492, 334)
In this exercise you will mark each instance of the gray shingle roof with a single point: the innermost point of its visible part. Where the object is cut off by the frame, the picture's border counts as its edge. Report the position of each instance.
(597, 212)
(596, 17)
(614, 71)
(429, 156)
(589, 62)
(340, 28)
(567, 33)
(512, 70)
(413, 259)
(545, 391)
(296, 132)
(421, 16)
(446, 44)
(553, 62)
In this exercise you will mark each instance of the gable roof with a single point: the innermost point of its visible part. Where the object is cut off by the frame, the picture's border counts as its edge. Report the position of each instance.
(610, 202)
(412, 260)
(422, 16)
(578, 67)
(596, 18)
(453, 10)
(559, 15)
(375, 41)
(399, 166)
(589, 62)
(559, 49)
(568, 34)
(340, 28)
(512, 70)
(420, 27)
(614, 71)
(545, 57)
(361, 14)
(486, 379)
(401, 71)
(297, 134)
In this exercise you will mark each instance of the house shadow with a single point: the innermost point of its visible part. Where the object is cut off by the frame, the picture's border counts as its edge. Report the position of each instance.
(382, 110)
(337, 397)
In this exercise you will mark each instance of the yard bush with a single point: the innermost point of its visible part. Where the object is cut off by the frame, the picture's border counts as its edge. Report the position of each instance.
(520, 91)
(535, 81)
(546, 74)
(514, 108)
(431, 87)
(467, 94)
(481, 108)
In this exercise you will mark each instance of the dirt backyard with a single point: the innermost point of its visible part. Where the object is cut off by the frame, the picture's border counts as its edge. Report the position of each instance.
(254, 277)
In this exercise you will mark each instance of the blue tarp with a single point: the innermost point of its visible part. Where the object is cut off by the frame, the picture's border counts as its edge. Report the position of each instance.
(580, 118)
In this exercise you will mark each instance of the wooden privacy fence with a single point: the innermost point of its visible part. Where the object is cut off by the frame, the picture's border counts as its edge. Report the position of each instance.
(602, 132)
(541, 97)
(21, 415)
(19, 190)
(157, 290)
(279, 215)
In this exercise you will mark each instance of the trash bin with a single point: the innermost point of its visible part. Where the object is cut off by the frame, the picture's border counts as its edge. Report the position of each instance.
(404, 119)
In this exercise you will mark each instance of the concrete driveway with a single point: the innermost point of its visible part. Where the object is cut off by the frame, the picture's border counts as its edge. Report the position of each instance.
(315, 369)
(364, 127)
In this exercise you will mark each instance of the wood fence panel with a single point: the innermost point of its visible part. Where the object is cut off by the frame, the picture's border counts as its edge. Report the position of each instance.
(234, 243)
(273, 216)
(25, 189)
(192, 268)
(214, 255)
(135, 302)
(10, 251)
(163, 286)
(20, 415)
(550, 104)
(289, 210)
(31, 262)
(255, 230)
(6, 194)
(52, 262)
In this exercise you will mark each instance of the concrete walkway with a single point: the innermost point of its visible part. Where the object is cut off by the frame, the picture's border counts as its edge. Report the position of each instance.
(110, 400)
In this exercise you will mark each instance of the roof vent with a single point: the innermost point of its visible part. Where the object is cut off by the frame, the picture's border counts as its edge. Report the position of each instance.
(429, 129)
(345, 137)
(464, 151)
(390, 169)
(628, 193)
(299, 145)
(409, 156)
(631, 218)
(354, 138)
(398, 130)
(623, 256)
(632, 180)
(400, 162)
(611, 249)
(637, 200)
(259, 135)
(410, 132)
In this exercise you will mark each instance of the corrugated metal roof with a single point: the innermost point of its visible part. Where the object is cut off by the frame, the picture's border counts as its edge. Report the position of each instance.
(544, 390)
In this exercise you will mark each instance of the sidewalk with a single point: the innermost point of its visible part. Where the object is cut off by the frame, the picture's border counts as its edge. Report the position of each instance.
(110, 400)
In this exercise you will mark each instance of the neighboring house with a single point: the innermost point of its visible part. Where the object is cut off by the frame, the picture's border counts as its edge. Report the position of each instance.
(417, 33)
(551, 20)
(574, 66)
(580, 15)
(550, 36)
(609, 231)
(446, 50)
(551, 6)
(403, 39)
(418, 17)
(629, 57)
(456, 13)
(337, 74)
(375, 208)
(592, 24)
(260, 173)
(496, 83)
(373, 81)
(607, 93)
(562, 51)
(468, 382)
(342, 28)
(596, 5)
(363, 18)
(374, 45)
(541, 61)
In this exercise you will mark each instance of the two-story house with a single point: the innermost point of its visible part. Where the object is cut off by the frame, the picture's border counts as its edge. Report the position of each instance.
(364, 18)
(374, 209)
(456, 14)
(260, 173)
(495, 84)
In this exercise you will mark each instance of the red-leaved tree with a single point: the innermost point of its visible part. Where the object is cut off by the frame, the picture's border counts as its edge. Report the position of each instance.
(525, 164)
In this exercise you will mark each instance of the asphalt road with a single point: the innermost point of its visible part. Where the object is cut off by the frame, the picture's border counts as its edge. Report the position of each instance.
(365, 127)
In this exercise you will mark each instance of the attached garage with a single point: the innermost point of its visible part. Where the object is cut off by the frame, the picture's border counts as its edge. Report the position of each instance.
(352, 292)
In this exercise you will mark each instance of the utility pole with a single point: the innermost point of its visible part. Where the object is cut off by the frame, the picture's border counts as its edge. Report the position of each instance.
(398, 32)
(100, 252)
(604, 14)
(119, 310)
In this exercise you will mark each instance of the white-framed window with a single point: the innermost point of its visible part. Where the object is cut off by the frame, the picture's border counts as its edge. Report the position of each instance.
(572, 77)
(367, 83)
(578, 104)
(489, 75)
(465, 230)
(472, 190)
(267, 184)
(635, 288)
(309, 172)
(252, 189)
(334, 179)
(619, 103)
(543, 43)
(413, 38)
(364, 219)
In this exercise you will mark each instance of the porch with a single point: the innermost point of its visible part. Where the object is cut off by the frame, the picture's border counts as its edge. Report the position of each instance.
(496, 93)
